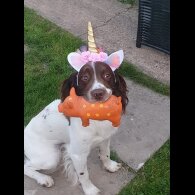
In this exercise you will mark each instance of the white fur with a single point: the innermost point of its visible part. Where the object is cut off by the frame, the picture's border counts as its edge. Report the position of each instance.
(97, 85)
(47, 131)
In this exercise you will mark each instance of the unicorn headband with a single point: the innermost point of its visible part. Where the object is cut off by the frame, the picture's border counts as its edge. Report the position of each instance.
(79, 59)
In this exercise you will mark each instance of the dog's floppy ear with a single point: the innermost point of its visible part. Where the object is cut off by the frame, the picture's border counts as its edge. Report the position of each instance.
(75, 61)
(67, 85)
(120, 90)
(115, 59)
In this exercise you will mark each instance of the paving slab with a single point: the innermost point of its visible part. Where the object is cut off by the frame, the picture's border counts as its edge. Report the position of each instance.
(115, 27)
(144, 128)
(108, 183)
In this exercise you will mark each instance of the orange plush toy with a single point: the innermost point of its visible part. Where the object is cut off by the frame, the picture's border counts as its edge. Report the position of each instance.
(76, 106)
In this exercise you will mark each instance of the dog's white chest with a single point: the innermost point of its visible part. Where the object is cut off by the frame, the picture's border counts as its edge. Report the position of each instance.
(96, 132)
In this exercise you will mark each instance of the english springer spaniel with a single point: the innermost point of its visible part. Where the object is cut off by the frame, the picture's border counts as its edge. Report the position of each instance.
(95, 81)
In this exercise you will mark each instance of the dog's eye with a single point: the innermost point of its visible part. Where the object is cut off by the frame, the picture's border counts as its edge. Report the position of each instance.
(107, 76)
(85, 78)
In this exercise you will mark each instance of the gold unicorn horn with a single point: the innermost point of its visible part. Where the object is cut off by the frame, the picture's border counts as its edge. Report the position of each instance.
(91, 40)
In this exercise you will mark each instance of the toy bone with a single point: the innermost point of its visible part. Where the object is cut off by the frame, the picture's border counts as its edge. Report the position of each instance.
(77, 106)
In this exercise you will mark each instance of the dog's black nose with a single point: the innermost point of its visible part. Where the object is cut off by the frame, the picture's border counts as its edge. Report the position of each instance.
(98, 94)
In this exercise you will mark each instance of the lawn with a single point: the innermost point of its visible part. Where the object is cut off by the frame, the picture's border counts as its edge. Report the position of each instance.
(46, 66)
(45, 60)
(131, 2)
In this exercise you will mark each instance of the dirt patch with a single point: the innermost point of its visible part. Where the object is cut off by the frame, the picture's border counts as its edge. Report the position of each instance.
(26, 49)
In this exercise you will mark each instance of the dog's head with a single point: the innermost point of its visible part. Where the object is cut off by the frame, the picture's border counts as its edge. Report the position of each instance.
(97, 81)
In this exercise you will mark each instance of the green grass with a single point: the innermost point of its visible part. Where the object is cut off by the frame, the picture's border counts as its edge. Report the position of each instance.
(132, 72)
(153, 178)
(131, 2)
(114, 156)
(46, 67)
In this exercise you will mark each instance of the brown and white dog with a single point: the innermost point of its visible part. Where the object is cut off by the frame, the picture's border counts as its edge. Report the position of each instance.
(95, 81)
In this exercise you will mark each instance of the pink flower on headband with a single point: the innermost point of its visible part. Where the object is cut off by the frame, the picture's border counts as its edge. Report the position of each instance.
(94, 57)
(103, 56)
(78, 60)
(86, 56)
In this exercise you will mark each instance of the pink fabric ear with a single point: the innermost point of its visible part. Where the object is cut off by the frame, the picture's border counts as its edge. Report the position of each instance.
(75, 60)
(115, 59)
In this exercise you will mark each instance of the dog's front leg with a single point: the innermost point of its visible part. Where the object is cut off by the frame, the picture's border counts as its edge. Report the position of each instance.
(79, 153)
(109, 164)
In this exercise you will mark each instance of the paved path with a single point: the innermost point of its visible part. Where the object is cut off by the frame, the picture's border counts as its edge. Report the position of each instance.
(108, 183)
(146, 125)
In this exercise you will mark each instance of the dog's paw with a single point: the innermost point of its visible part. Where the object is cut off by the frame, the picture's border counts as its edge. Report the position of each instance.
(112, 166)
(46, 181)
(91, 190)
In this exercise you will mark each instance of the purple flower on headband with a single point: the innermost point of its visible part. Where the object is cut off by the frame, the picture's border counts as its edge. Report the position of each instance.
(86, 56)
